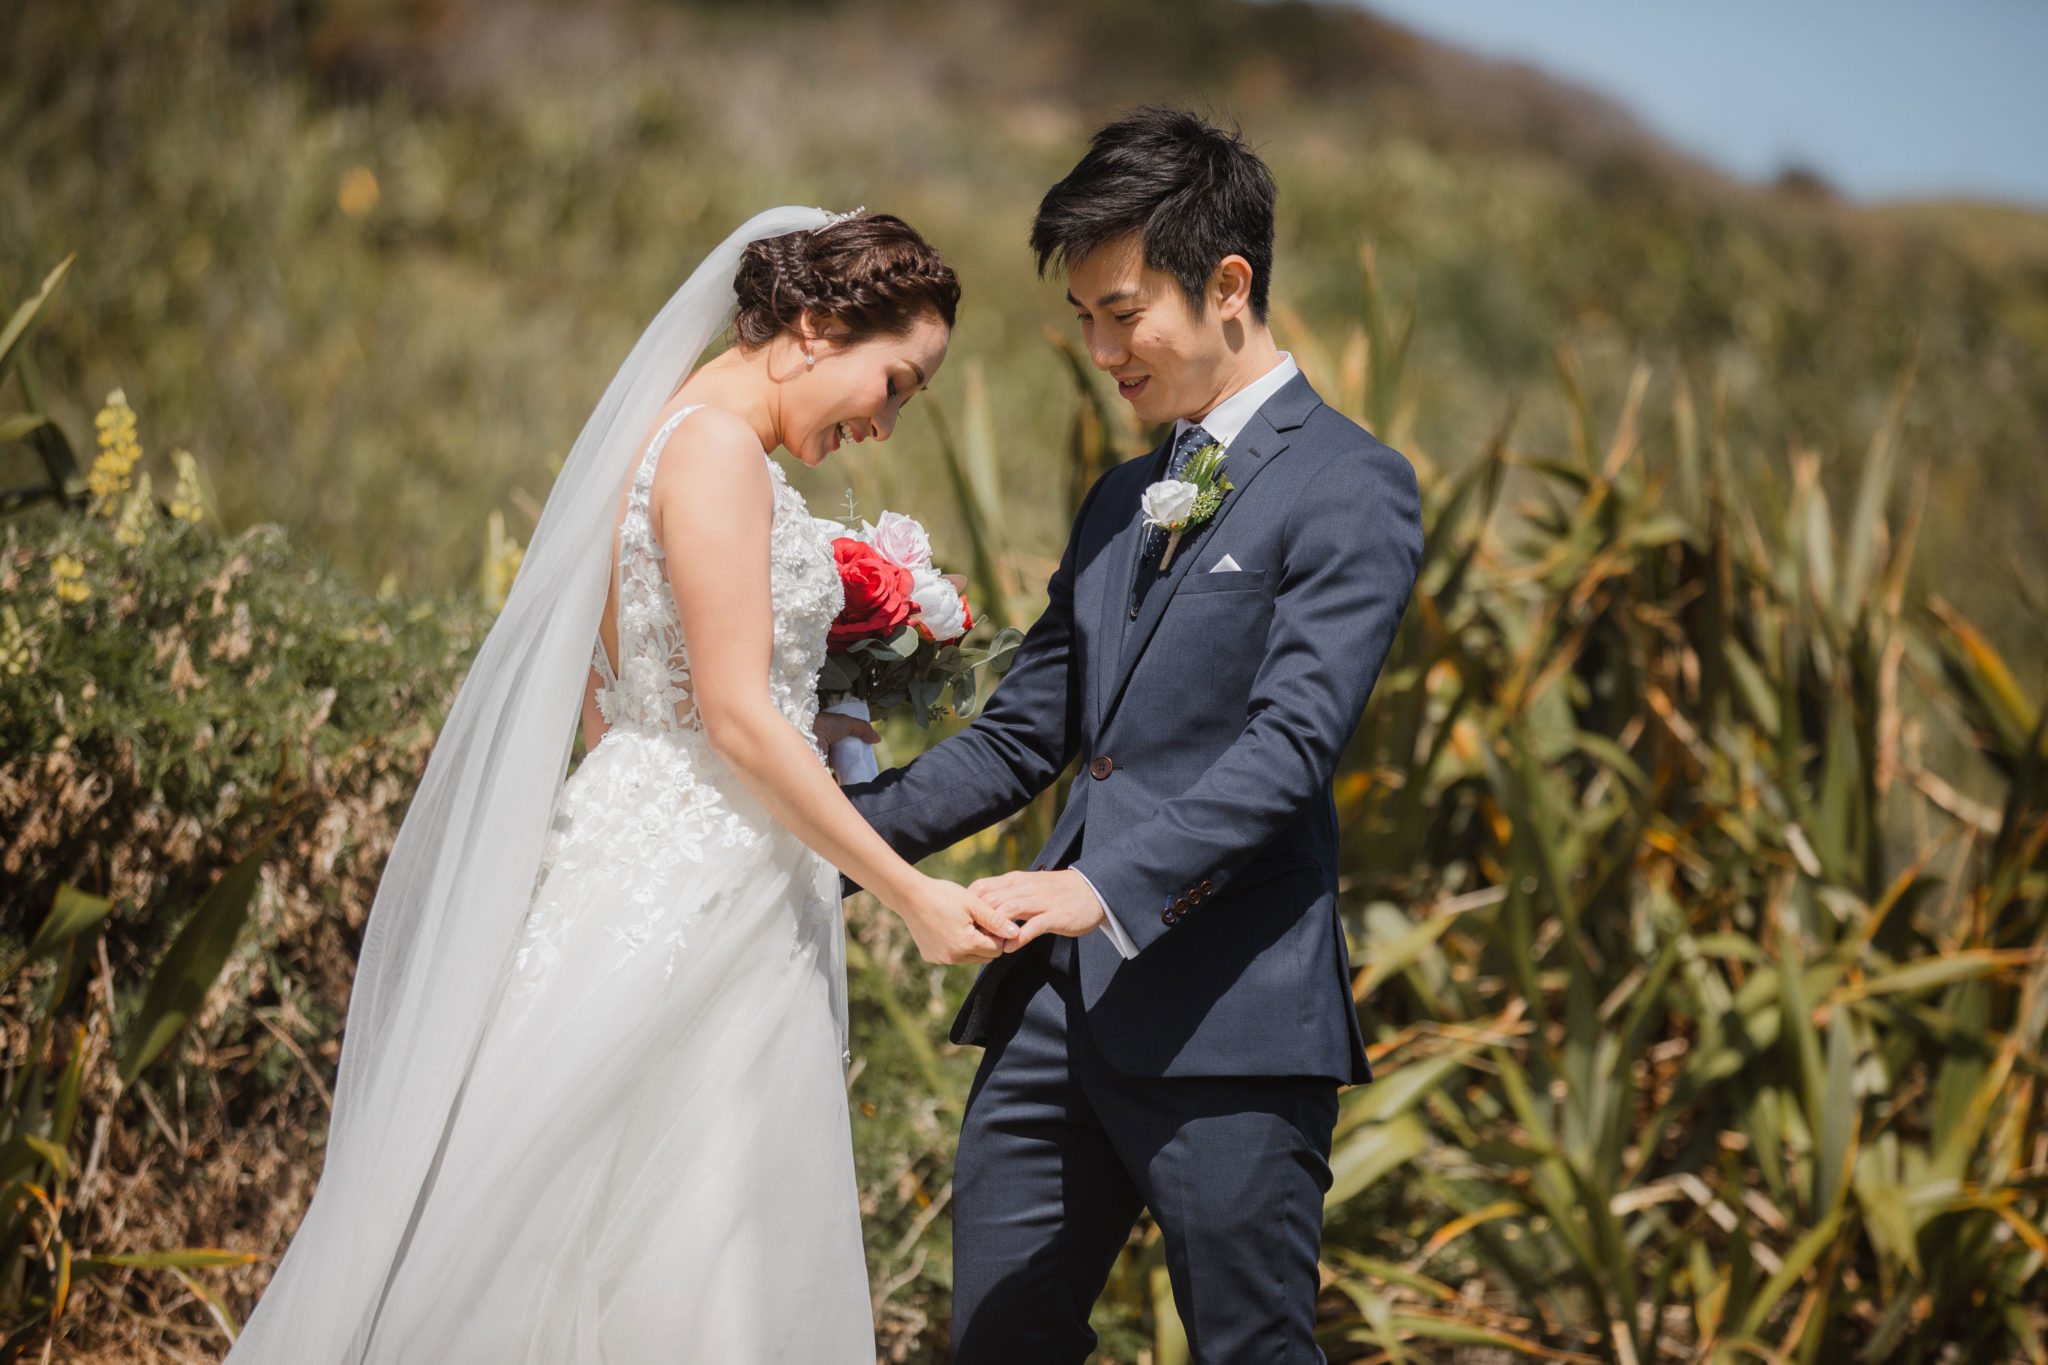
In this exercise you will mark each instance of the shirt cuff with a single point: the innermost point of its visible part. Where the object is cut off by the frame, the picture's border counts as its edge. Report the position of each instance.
(1110, 928)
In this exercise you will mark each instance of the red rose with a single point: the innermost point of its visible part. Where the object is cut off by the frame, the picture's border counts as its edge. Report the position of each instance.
(877, 595)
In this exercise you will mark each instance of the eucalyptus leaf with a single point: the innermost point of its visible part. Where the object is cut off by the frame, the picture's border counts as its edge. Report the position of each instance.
(966, 697)
(1003, 649)
(838, 674)
(903, 644)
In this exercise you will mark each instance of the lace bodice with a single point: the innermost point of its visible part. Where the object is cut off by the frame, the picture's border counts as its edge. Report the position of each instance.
(651, 811)
(650, 690)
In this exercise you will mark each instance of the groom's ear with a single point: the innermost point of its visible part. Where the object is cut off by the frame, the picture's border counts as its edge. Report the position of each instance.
(1229, 290)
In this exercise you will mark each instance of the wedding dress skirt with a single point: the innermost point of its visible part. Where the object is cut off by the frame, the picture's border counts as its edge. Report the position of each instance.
(652, 1161)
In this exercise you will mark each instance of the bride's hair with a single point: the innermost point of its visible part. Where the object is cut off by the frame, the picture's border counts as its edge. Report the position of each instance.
(873, 274)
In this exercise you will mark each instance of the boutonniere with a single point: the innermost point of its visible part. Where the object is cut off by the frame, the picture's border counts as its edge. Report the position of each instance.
(1174, 505)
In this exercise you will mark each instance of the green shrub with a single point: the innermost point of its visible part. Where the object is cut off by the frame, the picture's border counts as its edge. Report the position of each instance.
(160, 701)
(184, 712)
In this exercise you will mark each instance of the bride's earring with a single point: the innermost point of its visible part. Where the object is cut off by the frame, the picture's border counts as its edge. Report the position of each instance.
(810, 359)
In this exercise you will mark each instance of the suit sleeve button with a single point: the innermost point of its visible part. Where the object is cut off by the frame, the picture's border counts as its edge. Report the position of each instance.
(1207, 886)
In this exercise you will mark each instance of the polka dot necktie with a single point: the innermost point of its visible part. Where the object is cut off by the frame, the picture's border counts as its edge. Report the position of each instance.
(1191, 440)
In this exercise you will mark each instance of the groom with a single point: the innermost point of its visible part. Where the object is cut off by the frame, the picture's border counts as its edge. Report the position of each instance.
(1172, 1026)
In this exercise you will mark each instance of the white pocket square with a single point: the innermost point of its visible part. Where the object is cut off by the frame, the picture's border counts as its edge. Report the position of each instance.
(1226, 565)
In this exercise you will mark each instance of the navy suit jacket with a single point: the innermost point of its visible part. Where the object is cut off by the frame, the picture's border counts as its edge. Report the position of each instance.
(1209, 724)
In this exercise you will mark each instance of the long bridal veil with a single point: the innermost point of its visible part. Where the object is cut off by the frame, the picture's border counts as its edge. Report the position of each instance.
(447, 916)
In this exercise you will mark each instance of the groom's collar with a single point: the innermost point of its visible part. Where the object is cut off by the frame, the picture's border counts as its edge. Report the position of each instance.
(1229, 417)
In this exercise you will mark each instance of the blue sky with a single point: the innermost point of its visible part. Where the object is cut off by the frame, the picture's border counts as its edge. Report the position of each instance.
(1885, 98)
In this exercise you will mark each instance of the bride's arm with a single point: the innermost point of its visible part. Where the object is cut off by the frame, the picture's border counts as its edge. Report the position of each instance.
(594, 726)
(712, 507)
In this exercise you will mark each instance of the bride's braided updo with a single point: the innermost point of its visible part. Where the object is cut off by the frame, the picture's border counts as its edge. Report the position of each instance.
(872, 274)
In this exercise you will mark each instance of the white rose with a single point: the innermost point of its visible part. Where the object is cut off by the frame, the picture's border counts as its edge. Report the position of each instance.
(901, 541)
(940, 609)
(1168, 502)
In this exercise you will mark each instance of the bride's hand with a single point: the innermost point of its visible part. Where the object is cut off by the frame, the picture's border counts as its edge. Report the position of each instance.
(831, 727)
(952, 925)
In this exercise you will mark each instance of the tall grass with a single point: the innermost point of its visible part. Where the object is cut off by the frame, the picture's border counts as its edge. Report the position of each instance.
(1706, 985)
(1707, 1011)
(1706, 1008)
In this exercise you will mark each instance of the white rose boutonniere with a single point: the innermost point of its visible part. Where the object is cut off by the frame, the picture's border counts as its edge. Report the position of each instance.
(1168, 502)
(1174, 505)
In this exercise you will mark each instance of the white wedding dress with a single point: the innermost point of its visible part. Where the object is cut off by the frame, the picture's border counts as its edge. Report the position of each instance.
(650, 1160)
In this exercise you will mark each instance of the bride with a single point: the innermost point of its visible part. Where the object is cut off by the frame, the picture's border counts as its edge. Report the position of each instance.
(590, 1105)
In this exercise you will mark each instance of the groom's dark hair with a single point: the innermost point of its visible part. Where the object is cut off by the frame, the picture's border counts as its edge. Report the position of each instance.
(1191, 191)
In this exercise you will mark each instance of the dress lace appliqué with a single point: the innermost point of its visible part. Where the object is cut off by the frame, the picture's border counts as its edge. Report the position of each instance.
(653, 798)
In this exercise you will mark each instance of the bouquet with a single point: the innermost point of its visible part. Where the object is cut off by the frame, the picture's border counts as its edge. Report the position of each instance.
(897, 643)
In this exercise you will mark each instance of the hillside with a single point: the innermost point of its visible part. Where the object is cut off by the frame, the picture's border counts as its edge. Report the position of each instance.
(373, 259)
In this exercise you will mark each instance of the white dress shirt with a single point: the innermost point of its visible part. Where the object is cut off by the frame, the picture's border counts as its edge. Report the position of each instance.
(1223, 423)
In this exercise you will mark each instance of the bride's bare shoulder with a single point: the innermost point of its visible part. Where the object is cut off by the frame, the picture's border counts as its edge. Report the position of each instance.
(712, 435)
(714, 460)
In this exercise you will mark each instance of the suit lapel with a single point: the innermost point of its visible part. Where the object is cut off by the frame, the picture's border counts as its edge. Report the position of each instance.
(1113, 610)
(1256, 447)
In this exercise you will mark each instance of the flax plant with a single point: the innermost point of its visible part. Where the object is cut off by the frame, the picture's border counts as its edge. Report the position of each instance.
(32, 424)
(1707, 1016)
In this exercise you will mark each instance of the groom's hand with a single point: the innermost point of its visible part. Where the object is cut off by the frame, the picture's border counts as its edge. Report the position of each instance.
(1043, 903)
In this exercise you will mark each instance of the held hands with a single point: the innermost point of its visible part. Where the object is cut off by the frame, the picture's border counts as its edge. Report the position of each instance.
(953, 925)
(1042, 903)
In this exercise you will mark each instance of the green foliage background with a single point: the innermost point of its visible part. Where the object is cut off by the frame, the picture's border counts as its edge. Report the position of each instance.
(1696, 833)
(547, 174)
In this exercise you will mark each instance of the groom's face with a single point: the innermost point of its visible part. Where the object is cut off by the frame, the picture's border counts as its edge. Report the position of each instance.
(1168, 362)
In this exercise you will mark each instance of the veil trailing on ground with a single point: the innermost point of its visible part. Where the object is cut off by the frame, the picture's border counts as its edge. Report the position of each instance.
(440, 938)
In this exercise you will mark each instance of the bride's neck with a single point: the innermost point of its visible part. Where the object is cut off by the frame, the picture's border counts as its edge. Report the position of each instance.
(744, 385)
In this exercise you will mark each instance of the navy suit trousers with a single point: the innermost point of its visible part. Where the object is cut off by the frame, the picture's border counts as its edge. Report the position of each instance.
(1059, 1152)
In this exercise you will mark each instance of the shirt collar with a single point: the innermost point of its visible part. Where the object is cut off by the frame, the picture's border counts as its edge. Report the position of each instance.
(1228, 418)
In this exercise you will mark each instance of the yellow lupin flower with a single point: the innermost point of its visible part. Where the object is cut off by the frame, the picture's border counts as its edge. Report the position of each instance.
(188, 501)
(67, 577)
(359, 193)
(13, 643)
(119, 450)
(137, 514)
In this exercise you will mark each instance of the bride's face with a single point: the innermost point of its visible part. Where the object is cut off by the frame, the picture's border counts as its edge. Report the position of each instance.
(856, 392)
